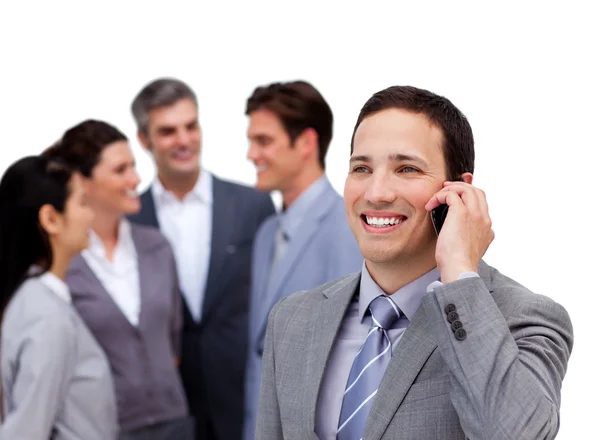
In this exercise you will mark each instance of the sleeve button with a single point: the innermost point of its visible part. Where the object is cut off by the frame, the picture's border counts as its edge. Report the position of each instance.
(456, 325)
(450, 308)
(460, 334)
(452, 316)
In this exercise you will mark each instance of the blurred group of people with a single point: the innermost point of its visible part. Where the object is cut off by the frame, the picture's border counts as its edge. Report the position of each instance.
(152, 295)
(196, 311)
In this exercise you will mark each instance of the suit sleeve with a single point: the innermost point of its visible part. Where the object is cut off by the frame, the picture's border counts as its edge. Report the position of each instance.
(44, 363)
(506, 372)
(268, 425)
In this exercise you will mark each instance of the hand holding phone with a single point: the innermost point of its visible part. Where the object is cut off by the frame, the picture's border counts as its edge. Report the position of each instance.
(438, 214)
(465, 234)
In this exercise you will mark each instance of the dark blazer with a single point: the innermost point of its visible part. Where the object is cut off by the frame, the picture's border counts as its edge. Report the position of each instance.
(142, 357)
(214, 351)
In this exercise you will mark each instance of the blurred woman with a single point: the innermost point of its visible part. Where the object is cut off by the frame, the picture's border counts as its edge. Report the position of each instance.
(56, 381)
(126, 289)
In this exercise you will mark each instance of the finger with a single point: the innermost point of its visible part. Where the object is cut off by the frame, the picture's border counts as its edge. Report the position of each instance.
(468, 193)
(483, 202)
(450, 198)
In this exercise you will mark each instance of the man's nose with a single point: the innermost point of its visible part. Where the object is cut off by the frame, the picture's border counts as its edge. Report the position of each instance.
(380, 189)
(252, 152)
(183, 137)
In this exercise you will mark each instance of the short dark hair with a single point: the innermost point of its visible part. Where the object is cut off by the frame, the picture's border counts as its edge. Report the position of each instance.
(458, 146)
(26, 186)
(81, 146)
(299, 106)
(161, 92)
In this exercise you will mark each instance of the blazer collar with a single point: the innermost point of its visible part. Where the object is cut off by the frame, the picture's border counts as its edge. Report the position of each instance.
(327, 320)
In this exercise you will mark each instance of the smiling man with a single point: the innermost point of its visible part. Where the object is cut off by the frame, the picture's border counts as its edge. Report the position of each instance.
(309, 243)
(211, 224)
(427, 341)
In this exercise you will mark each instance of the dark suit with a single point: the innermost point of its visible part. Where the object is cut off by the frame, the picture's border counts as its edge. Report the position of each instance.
(214, 350)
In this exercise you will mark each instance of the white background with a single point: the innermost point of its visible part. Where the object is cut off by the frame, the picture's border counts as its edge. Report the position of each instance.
(524, 73)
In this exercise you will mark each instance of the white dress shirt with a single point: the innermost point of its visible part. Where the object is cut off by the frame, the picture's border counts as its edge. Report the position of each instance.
(187, 224)
(120, 277)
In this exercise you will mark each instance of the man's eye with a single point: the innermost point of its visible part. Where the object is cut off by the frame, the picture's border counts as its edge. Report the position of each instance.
(360, 169)
(408, 170)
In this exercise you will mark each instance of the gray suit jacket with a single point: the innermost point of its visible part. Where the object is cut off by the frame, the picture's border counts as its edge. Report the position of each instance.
(324, 249)
(502, 381)
(56, 382)
(142, 358)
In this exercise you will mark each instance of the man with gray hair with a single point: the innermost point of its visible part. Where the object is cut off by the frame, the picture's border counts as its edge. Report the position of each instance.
(211, 225)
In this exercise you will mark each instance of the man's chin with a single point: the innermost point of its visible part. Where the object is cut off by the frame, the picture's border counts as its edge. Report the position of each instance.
(187, 170)
(265, 186)
(379, 255)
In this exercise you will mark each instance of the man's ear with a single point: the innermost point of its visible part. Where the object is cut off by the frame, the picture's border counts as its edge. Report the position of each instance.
(143, 140)
(467, 178)
(49, 219)
(309, 142)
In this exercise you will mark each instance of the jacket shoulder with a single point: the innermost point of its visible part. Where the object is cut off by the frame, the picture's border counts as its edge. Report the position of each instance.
(514, 299)
(148, 237)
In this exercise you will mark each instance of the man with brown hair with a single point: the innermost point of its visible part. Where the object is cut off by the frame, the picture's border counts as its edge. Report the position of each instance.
(427, 341)
(309, 242)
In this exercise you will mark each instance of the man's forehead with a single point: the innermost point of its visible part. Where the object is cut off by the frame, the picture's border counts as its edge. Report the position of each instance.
(183, 111)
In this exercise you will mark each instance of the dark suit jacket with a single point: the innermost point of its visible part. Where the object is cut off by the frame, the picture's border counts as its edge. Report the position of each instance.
(214, 350)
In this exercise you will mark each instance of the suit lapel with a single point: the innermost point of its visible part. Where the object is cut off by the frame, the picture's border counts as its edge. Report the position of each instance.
(91, 284)
(223, 212)
(147, 273)
(147, 215)
(297, 246)
(408, 359)
(261, 269)
(327, 321)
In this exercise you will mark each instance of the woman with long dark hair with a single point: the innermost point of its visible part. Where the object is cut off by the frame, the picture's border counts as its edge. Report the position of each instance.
(126, 289)
(56, 381)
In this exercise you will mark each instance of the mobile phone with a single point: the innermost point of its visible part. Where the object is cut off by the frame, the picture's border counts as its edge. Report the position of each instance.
(438, 215)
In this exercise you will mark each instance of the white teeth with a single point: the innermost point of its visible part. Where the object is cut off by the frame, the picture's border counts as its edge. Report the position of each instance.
(381, 222)
(261, 168)
(132, 193)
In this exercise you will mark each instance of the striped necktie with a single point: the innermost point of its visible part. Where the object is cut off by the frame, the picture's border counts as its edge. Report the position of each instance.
(367, 370)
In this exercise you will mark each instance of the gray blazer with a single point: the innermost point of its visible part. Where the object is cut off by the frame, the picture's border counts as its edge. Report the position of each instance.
(502, 381)
(142, 358)
(56, 380)
(324, 249)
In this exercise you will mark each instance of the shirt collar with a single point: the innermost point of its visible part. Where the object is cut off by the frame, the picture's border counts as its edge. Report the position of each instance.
(407, 298)
(291, 219)
(124, 240)
(202, 190)
(56, 285)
